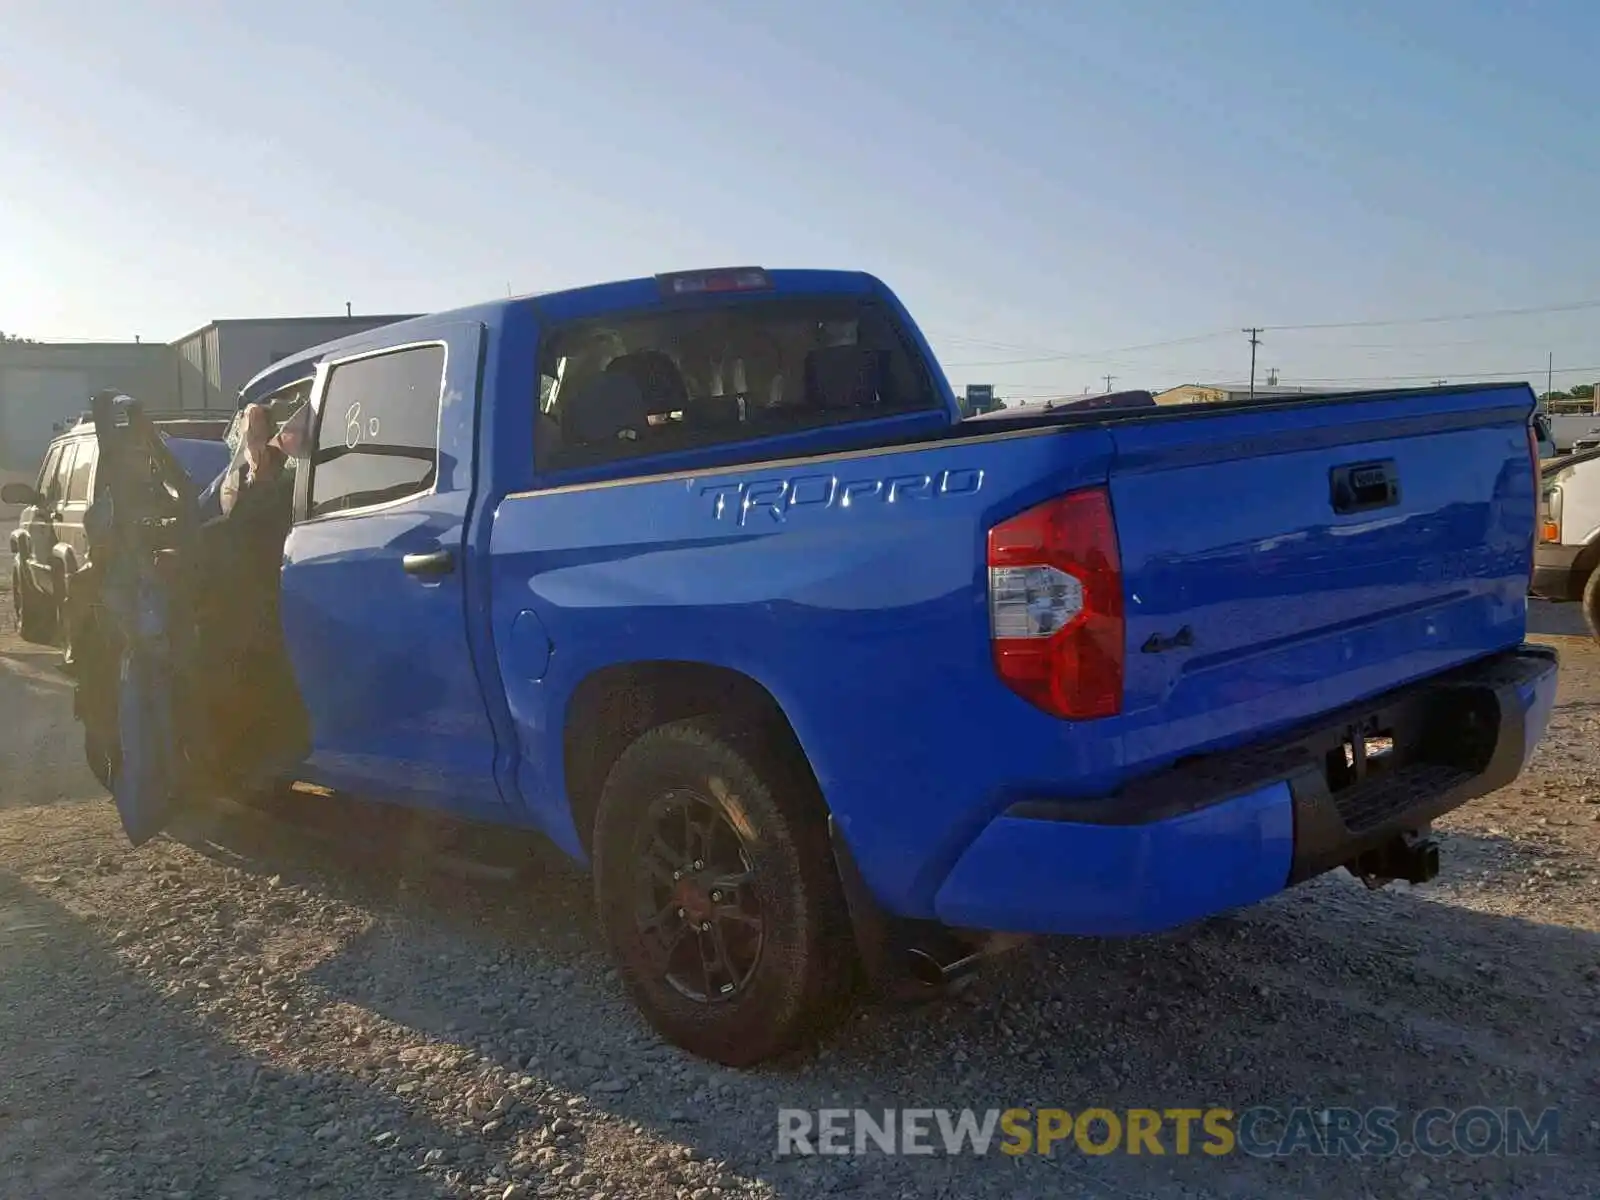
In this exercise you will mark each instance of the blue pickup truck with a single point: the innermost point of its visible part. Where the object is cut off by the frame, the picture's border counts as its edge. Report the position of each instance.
(705, 577)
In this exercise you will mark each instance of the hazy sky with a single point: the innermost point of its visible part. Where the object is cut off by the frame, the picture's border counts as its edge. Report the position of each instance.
(1058, 181)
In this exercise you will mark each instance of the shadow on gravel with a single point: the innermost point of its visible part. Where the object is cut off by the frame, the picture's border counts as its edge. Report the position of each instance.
(1328, 996)
(43, 756)
(113, 1089)
(1546, 619)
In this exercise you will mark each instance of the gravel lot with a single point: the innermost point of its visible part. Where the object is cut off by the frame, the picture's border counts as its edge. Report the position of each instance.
(243, 1011)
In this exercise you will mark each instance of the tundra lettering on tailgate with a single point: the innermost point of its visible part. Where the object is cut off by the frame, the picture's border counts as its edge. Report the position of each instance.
(773, 497)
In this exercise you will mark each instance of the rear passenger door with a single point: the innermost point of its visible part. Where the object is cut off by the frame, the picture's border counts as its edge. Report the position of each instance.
(375, 579)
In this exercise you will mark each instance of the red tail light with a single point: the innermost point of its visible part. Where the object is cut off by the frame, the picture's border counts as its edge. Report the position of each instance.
(1055, 605)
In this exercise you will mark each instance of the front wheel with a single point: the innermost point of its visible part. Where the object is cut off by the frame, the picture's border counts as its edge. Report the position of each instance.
(717, 892)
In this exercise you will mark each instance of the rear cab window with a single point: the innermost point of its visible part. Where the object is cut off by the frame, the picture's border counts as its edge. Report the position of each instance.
(659, 380)
(377, 438)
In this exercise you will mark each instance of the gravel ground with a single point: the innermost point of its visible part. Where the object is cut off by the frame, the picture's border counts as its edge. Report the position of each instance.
(244, 1011)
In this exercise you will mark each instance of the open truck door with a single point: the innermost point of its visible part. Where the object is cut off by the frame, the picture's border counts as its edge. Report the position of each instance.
(142, 517)
(174, 699)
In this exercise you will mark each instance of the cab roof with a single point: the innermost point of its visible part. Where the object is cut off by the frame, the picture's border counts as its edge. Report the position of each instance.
(570, 304)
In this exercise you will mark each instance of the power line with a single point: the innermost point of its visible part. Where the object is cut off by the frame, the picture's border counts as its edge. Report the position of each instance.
(1094, 355)
(1102, 355)
(1524, 373)
(1485, 315)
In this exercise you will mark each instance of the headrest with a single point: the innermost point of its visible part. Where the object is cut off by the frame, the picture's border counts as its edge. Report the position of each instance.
(712, 412)
(606, 408)
(844, 376)
(660, 382)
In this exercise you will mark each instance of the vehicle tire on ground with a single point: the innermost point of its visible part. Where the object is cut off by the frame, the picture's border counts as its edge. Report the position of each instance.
(32, 607)
(1591, 604)
(717, 891)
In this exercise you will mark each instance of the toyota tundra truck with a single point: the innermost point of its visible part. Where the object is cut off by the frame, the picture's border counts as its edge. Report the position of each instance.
(705, 577)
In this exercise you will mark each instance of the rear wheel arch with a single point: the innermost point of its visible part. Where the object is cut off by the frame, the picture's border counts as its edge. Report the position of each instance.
(615, 705)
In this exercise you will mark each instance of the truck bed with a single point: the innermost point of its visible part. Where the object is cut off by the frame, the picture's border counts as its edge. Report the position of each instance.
(851, 585)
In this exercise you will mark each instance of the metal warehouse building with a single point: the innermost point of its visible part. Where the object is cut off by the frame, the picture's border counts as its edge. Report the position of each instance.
(43, 384)
(218, 359)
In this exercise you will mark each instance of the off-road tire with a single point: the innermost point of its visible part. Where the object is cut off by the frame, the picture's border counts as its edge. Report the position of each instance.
(802, 978)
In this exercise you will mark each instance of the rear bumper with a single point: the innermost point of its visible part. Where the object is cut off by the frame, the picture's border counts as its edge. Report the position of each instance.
(1556, 574)
(1235, 828)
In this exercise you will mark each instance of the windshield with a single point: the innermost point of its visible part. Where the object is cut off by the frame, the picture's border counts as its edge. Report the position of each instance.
(649, 382)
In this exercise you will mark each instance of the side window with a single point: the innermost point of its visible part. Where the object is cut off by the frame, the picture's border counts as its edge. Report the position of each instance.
(47, 472)
(55, 482)
(82, 472)
(378, 431)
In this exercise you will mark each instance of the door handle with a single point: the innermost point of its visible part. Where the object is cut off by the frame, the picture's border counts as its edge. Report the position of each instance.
(431, 564)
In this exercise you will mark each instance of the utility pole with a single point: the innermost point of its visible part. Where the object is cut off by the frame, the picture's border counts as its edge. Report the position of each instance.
(1108, 379)
(1255, 340)
(347, 308)
(1440, 382)
(1549, 373)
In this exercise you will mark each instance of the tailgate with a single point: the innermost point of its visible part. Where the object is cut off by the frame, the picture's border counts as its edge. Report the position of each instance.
(1283, 561)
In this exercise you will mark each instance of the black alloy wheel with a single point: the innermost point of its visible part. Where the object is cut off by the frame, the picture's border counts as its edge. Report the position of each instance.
(698, 906)
(716, 889)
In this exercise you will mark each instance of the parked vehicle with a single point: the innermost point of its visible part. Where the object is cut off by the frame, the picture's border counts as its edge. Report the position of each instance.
(1566, 429)
(1568, 549)
(704, 577)
(48, 546)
